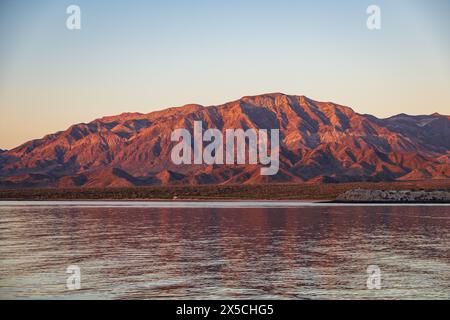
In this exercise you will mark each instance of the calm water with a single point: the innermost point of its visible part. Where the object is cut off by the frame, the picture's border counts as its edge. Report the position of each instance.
(203, 250)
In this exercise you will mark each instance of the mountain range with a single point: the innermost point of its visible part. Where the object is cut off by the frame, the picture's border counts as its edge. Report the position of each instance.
(320, 142)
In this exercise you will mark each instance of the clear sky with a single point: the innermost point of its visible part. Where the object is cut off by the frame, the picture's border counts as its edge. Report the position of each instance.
(147, 55)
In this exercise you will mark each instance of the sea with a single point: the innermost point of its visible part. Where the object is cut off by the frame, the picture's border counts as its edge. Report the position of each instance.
(223, 250)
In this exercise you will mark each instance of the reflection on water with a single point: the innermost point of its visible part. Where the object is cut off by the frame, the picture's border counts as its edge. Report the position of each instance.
(310, 252)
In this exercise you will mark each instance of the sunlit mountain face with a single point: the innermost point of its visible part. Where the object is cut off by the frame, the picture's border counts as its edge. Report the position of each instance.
(319, 142)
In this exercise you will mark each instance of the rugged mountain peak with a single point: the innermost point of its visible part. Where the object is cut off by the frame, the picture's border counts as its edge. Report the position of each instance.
(319, 142)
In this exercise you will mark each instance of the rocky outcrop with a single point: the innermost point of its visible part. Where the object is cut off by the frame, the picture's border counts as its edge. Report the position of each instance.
(394, 196)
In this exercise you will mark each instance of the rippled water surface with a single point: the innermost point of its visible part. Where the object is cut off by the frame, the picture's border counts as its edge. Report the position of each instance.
(230, 250)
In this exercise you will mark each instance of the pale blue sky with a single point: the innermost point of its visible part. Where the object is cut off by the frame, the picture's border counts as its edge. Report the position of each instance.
(148, 55)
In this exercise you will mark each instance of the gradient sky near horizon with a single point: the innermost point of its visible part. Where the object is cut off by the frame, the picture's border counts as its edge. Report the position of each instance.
(141, 56)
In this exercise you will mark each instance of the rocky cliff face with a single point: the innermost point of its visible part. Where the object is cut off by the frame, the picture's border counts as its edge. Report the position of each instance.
(320, 142)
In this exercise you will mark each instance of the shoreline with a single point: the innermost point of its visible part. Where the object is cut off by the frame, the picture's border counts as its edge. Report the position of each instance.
(264, 192)
(223, 205)
(216, 205)
(228, 200)
(170, 200)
